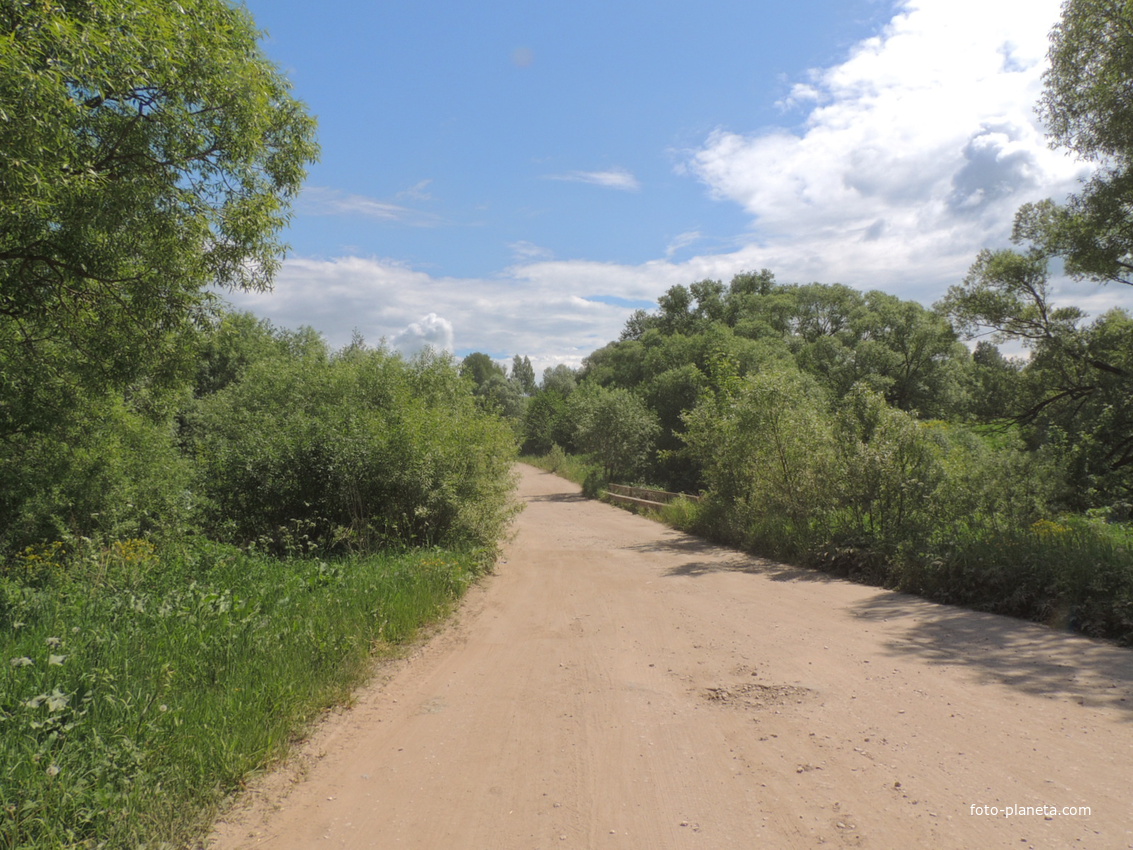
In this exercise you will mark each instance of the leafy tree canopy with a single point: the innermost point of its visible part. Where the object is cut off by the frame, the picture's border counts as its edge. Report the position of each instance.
(561, 379)
(615, 427)
(150, 150)
(523, 374)
(1087, 110)
(480, 368)
(900, 348)
(1076, 390)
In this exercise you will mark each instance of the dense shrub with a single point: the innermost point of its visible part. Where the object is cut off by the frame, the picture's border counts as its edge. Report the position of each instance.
(767, 448)
(353, 450)
(546, 423)
(615, 428)
(867, 491)
(148, 669)
(102, 469)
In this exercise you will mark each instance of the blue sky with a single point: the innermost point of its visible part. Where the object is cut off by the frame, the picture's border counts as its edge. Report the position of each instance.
(516, 177)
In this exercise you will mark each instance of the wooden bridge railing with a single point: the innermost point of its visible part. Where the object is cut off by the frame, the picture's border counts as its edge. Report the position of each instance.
(645, 496)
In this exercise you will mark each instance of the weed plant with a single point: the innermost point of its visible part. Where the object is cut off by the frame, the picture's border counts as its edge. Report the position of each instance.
(138, 687)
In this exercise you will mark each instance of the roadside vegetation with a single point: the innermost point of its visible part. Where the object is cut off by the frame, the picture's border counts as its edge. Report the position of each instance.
(140, 685)
(192, 587)
(874, 447)
(857, 433)
(208, 526)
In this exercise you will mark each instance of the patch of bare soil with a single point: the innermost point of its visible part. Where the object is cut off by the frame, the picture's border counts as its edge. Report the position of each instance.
(753, 696)
(620, 685)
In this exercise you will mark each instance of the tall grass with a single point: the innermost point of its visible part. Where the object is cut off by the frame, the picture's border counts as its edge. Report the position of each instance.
(1075, 574)
(138, 688)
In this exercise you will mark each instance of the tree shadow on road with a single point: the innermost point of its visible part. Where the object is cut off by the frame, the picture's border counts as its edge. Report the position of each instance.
(1030, 657)
(705, 558)
(558, 497)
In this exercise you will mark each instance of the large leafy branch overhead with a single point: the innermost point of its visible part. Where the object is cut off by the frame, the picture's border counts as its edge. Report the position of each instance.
(1080, 375)
(1087, 108)
(150, 151)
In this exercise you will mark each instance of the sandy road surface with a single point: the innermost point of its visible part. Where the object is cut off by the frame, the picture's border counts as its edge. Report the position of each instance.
(620, 685)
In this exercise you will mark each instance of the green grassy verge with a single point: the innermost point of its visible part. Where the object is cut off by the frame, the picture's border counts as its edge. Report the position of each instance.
(138, 688)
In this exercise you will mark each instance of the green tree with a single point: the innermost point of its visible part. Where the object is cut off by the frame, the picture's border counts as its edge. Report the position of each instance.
(480, 367)
(911, 352)
(561, 378)
(502, 396)
(767, 448)
(709, 295)
(150, 150)
(888, 470)
(993, 383)
(615, 427)
(824, 310)
(355, 449)
(671, 395)
(491, 385)
(676, 310)
(1087, 110)
(1077, 388)
(230, 344)
(523, 375)
(546, 423)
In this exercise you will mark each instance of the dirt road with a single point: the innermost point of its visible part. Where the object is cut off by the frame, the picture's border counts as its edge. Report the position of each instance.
(620, 685)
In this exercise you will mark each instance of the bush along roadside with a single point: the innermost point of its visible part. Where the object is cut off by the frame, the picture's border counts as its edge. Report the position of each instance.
(868, 492)
(188, 576)
(139, 687)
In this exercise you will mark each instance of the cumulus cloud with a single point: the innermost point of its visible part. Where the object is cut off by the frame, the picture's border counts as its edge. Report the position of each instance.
(911, 156)
(432, 331)
(545, 310)
(915, 153)
(617, 178)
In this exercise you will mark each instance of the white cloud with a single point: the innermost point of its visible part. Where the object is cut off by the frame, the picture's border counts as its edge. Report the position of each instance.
(432, 331)
(418, 191)
(320, 200)
(916, 152)
(682, 240)
(544, 310)
(617, 178)
(524, 251)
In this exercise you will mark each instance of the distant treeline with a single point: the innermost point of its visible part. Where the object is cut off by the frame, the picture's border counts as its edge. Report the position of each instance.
(858, 433)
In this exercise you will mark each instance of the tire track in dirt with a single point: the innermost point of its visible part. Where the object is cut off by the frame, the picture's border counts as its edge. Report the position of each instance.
(617, 684)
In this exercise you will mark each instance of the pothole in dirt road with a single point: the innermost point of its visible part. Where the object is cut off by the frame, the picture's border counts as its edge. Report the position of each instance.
(751, 695)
